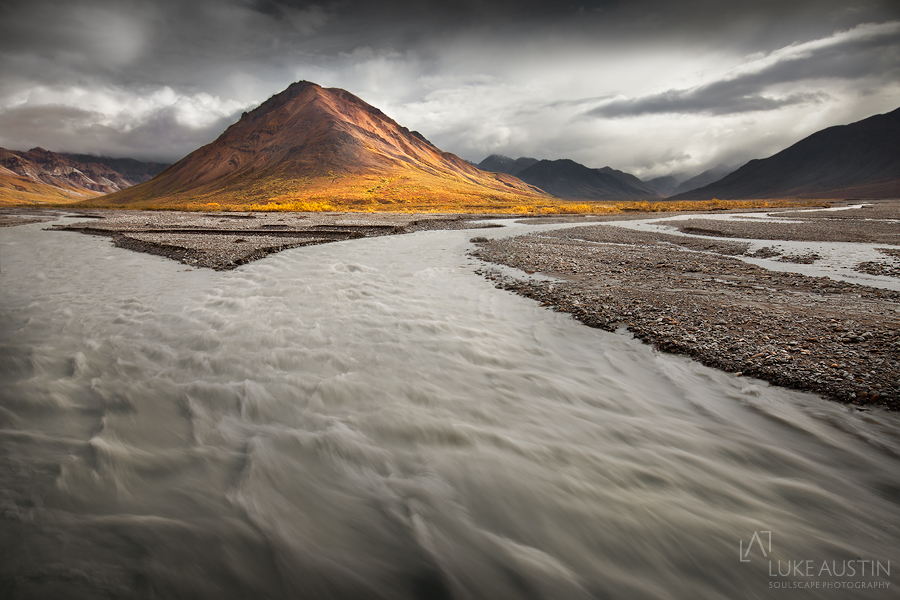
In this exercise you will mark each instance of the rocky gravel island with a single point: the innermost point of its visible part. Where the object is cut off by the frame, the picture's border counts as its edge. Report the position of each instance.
(227, 240)
(692, 295)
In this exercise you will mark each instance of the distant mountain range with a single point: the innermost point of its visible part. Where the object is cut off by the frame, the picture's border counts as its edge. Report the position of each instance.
(570, 180)
(39, 174)
(133, 171)
(677, 183)
(666, 184)
(705, 178)
(860, 160)
(497, 163)
(310, 143)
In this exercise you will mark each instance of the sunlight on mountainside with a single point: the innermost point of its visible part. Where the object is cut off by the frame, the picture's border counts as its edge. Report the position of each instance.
(18, 191)
(444, 201)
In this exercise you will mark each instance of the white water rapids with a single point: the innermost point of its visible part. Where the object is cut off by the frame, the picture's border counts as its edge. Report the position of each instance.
(372, 419)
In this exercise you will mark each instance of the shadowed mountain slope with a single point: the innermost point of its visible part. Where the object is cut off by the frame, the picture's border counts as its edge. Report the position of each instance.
(497, 163)
(665, 184)
(310, 143)
(135, 171)
(705, 178)
(857, 160)
(570, 180)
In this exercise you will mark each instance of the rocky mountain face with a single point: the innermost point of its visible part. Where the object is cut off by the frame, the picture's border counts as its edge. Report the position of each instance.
(860, 160)
(73, 176)
(309, 143)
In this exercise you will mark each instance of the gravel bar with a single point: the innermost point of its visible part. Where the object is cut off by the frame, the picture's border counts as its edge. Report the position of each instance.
(690, 296)
(227, 240)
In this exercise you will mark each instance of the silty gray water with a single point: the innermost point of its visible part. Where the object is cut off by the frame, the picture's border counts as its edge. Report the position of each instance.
(372, 419)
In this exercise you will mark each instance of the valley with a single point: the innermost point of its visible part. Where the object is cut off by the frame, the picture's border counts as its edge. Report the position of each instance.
(449, 300)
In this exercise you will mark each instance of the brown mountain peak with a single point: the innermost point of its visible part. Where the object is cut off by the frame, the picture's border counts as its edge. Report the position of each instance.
(309, 141)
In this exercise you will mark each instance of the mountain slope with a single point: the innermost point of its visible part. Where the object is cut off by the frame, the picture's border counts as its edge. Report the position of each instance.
(665, 184)
(134, 171)
(310, 143)
(705, 178)
(497, 163)
(39, 175)
(634, 182)
(570, 180)
(857, 160)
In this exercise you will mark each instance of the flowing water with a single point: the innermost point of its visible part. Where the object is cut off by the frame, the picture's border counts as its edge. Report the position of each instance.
(835, 260)
(371, 419)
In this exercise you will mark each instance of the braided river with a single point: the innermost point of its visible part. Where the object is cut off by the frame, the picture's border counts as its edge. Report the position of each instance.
(373, 419)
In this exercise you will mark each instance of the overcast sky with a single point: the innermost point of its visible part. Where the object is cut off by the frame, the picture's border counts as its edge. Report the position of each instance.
(649, 87)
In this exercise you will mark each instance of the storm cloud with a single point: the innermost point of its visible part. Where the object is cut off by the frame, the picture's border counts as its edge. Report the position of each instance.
(867, 51)
(647, 86)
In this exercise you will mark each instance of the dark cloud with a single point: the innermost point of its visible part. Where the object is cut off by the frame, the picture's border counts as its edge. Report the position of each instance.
(69, 129)
(705, 100)
(874, 51)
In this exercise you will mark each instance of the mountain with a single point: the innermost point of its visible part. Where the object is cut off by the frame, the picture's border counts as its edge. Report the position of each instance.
(570, 180)
(665, 184)
(309, 143)
(630, 180)
(39, 175)
(497, 163)
(705, 178)
(135, 171)
(860, 160)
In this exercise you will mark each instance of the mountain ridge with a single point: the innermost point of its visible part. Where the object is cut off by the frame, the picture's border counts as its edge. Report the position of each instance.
(570, 180)
(136, 171)
(499, 163)
(665, 184)
(860, 159)
(702, 179)
(38, 175)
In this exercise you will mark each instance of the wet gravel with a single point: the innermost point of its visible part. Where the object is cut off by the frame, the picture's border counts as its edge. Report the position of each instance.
(689, 296)
(890, 267)
(227, 240)
(816, 226)
(11, 217)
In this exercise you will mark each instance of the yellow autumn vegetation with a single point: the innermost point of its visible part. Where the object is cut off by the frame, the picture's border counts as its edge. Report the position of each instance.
(409, 192)
(484, 205)
(18, 191)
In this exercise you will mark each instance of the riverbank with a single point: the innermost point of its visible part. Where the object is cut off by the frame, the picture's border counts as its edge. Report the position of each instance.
(690, 294)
